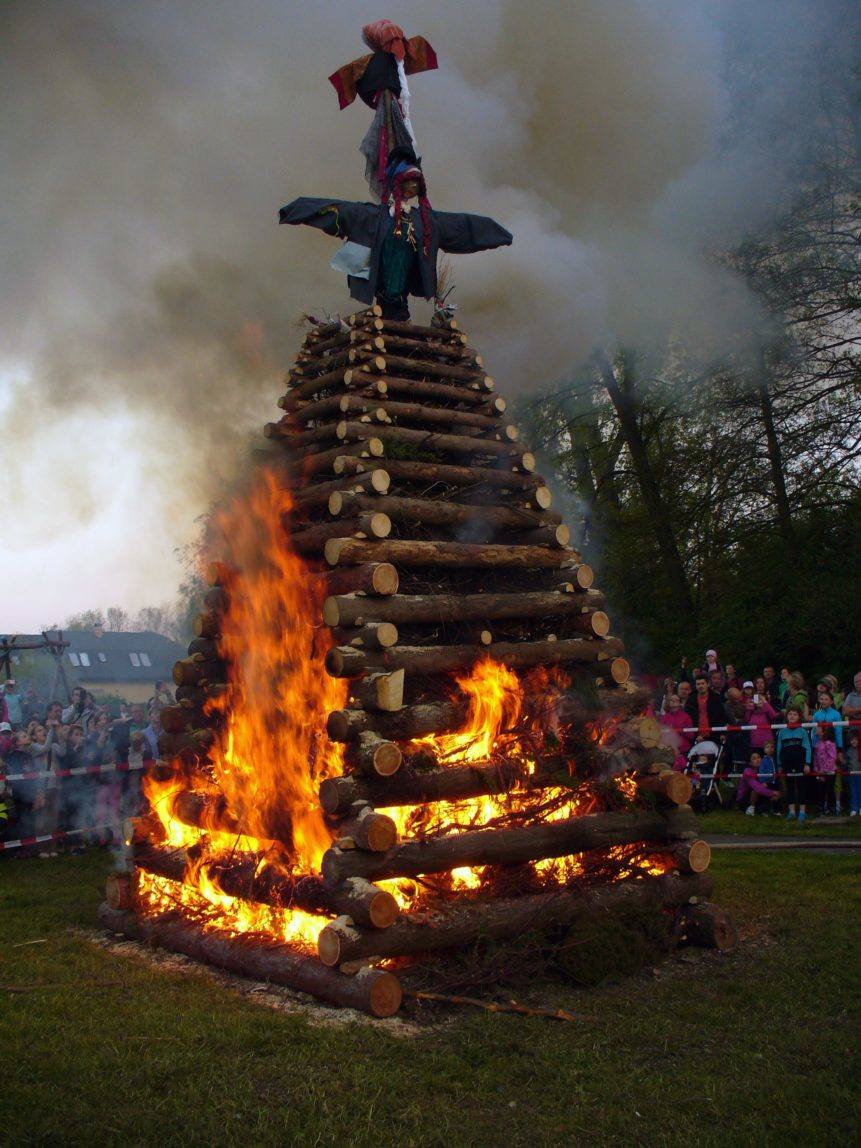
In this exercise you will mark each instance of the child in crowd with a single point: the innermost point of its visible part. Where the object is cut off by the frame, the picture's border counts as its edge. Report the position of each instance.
(751, 789)
(768, 773)
(794, 756)
(824, 768)
(854, 768)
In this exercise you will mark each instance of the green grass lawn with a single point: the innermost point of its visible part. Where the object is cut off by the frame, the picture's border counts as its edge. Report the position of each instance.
(737, 822)
(754, 1047)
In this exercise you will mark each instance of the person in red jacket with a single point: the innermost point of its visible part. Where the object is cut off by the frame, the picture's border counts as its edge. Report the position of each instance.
(705, 708)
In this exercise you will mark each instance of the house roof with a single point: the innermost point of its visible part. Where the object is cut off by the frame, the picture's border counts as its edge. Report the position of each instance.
(142, 656)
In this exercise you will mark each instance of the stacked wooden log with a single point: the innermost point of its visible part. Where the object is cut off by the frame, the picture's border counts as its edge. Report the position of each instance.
(440, 546)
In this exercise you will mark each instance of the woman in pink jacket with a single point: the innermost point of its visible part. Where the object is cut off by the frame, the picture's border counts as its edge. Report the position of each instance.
(760, 713)
(676, 720)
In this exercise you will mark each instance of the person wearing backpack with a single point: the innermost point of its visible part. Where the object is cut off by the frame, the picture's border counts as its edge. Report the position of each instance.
(794, 756)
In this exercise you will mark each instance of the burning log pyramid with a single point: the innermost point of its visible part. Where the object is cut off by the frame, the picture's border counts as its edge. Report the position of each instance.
(404, 724)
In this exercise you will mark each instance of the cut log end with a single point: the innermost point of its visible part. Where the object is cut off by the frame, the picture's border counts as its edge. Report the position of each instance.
(600, 623)
(693, 856)
(708, 926)
(119, 890)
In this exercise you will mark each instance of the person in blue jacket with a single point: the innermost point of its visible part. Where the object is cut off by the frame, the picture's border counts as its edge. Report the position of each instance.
(794, 756)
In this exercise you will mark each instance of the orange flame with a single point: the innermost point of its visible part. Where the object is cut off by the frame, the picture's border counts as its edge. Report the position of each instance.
(495, 701)
(274, 745)
(272, 748)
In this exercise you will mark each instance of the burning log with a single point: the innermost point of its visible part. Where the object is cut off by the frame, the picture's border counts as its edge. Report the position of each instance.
(384, 692)
(478, 555)
(428, 512)
(195, 670)
(356, 432)
(366, 578)
(673, 786)
(189, 740)
(511, 846)
(242, 876)
(469, 476)
(199, 695)
(206, 647)
(373, 636)
(368, 829)
(374, 991)
(184, 716)
(373, 755)
(345, 662)
(418, 787)
(407, 723)
(457, 925)
(207, 625)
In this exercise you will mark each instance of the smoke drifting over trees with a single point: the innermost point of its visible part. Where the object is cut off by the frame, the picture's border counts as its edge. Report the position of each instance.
(149, 299)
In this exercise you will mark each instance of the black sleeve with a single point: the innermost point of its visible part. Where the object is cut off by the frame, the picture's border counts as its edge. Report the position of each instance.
(463, 234)
(341, 217)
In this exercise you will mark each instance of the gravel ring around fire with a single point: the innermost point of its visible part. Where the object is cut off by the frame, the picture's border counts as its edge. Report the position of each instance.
(275, 997)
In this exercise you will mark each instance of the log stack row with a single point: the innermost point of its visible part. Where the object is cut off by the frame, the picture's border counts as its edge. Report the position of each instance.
(440, 546)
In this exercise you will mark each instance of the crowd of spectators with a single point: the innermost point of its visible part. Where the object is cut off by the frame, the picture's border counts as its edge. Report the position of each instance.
(793, 754)
(45, 740)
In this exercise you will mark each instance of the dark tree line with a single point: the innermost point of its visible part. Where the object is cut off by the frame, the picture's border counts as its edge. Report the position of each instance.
(724, 502)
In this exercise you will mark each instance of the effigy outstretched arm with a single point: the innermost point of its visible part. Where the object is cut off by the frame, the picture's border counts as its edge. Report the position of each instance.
(462, 234)
(343, 218)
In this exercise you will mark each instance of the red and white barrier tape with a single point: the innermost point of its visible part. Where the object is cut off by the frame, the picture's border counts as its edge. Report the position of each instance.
(78, 771)
(776, 725)
(43, 838)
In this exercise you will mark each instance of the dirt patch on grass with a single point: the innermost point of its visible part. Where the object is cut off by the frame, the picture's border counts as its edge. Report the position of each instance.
(275, 997)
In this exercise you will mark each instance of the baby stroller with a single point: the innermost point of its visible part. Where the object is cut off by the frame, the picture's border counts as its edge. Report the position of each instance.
(703, 767)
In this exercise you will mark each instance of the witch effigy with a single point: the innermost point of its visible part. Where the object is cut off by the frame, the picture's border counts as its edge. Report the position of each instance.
(390, 248)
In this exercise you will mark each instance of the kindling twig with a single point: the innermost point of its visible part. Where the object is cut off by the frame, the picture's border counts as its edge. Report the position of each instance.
(496, 1006)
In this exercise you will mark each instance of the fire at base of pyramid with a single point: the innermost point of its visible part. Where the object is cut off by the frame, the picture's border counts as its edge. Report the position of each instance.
(403, 763)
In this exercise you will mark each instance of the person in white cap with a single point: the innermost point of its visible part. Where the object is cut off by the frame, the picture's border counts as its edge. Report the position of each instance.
(712, 666)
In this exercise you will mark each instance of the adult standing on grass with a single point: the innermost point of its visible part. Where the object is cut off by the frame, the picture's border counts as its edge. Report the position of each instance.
(853, 768)
(705, 708)
(676, 721)
(852, 701)
(794, 757)
(14, 706)
(760, 713)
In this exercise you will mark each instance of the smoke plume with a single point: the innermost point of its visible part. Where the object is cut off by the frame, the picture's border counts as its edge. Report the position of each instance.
(149, 300)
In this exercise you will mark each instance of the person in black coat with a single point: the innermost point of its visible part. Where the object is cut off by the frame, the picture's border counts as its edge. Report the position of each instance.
(402, 238)
(705, 708)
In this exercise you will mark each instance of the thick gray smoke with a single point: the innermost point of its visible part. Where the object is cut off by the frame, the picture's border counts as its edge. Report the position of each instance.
(149, 299)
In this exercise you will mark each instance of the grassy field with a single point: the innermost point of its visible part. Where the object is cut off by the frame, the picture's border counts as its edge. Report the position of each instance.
(755, 1047)
(737, 822)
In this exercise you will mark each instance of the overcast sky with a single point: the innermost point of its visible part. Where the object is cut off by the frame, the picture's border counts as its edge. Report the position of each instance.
(149, 302)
